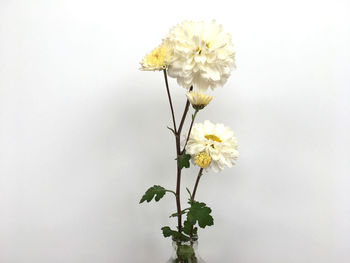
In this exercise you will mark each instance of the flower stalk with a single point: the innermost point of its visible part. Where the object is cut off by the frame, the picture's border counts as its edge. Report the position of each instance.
(189, 131)
(169, 98)
(178, 178)
(177, 133)
(194, 194)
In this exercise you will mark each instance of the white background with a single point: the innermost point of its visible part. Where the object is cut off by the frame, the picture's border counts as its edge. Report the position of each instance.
(83, 132)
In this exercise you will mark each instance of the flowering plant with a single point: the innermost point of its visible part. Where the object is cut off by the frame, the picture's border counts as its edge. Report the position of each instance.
(199, 55)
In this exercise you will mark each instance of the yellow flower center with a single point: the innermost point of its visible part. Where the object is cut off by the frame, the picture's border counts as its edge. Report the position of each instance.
(202, 159)
(203, 44)
(156, 58)
(212, 137)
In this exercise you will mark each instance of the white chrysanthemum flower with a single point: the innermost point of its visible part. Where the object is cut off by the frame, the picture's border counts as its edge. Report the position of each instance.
(157, 59)
(198, 100)
(217, 141)
(203, 55)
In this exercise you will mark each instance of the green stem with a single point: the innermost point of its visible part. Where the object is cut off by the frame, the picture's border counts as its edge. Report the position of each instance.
(170, 191)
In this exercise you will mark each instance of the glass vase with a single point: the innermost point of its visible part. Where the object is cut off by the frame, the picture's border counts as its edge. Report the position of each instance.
(185, 252)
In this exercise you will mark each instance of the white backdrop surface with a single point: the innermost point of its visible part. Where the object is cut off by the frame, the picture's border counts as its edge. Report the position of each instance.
(83, 132)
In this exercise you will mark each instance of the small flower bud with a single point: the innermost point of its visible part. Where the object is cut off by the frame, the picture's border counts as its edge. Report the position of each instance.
(198, 100)
(202, 159)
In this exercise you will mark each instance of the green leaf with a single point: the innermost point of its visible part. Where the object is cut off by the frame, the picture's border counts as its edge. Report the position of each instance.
(200, 213)
(187, 228)
(195, 230)
(175, 214)
(171, 130)
(189, 192)
(155, 191)
(184, 160)
(167, 232)
(180, 236)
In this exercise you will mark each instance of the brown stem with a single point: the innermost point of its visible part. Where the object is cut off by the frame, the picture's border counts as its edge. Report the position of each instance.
(194, 194)
(196, 184)
(183, 117)
(178, 181)
(169, 97)
(189, 131)
(178, 201)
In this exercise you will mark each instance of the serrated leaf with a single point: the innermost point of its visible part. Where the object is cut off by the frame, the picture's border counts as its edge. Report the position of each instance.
(155, 191)
(167, 232)
(184, 160)
(187, 228)
(200, 213)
